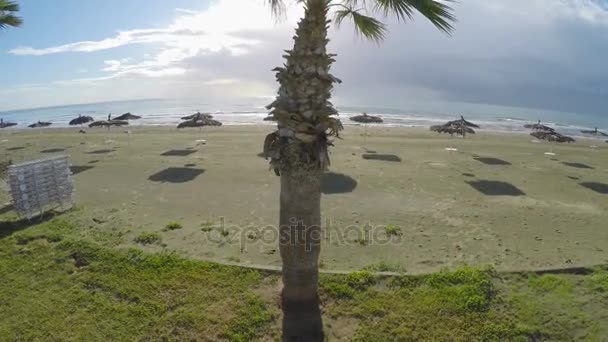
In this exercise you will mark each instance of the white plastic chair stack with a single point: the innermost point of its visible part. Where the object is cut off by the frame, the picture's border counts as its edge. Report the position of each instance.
(41, 185)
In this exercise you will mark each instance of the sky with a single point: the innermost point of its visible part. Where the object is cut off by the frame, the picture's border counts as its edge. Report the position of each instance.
(545, 54)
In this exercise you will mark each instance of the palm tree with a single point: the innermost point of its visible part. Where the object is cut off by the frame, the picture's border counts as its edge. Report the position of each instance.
(298, 150)
(7, 14)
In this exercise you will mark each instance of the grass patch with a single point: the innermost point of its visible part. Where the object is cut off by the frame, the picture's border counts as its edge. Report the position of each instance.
(598, 282)
(392, 230)
(173, 226)
(123, 295)
(147, 238)
(385, 266)
(61, 272)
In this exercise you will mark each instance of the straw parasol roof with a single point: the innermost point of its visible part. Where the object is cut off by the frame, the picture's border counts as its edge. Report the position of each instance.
(198, 116)
(128, 116)
(108, 123)
(270, 118)
(539, 127)
(462, 122)
(199, 123)
(595, 132)
(366, 119)
(4, 124)
(81, 120)
(552, 136)
(40, 124)
(458, 127)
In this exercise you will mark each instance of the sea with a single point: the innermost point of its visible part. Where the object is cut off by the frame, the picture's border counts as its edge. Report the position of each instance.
(163, 112)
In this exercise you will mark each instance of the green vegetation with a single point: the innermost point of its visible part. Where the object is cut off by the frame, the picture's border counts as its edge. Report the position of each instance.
(121, 295)
(392, 230)
(385, 266)
(207, 226)
(173, 226)
(56, 273)
(599, 282)
(146, 238)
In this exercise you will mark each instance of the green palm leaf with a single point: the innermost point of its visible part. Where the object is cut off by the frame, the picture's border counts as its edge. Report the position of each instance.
(438, 13)
(7, 16)
(369, 27)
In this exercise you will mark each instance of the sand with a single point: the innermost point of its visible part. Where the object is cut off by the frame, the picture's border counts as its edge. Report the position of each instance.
(496, 201)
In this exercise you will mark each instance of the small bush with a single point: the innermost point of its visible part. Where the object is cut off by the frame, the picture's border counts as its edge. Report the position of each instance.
(147, 238)
(392, 230)
(207, 226)
(384, 266)
(360, 280)
(345, 287)
(173, 226)
(467, 288)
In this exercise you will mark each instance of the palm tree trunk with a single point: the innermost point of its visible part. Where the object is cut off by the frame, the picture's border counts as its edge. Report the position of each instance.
(298, 152)
(300, 228)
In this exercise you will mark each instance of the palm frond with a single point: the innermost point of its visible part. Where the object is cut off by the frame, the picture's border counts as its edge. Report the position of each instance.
(369, 27)
(437, 12)
(8, 6)
(277, 7)
(7, 18)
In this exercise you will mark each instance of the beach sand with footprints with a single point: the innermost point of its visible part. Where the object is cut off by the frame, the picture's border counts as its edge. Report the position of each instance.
(497, 200)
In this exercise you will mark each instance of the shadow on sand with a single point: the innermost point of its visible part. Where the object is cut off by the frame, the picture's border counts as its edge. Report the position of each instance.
(53, 150)
(100, 151)
(8, 228)
(337, 183)
(17, 148)
(6, 209)
(491, 161)
(94, 161)
(578, 165)
(302, 321)
(383, 157)
(466, 174)
(176, 175)
(496, 188)
(178, 153)
(76, 169)
(600, 188)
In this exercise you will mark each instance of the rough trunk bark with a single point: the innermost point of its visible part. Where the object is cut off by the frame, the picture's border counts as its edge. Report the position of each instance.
(300, 228)
(298, 153)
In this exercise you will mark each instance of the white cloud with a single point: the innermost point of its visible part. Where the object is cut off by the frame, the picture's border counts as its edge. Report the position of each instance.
(543, 53)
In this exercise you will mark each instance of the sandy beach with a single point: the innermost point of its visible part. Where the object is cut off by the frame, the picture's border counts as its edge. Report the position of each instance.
(497, 201)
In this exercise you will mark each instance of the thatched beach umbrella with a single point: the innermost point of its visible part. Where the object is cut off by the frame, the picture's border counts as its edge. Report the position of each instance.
(539, 127)
(270, 118)
(108, 123)
(40, 124)
(127, 117)
(366, 119)
(198, 116)
(458, 127)
(552, 137)
(5, 124)
(199, 121)
(81, 120)
(595, 132)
